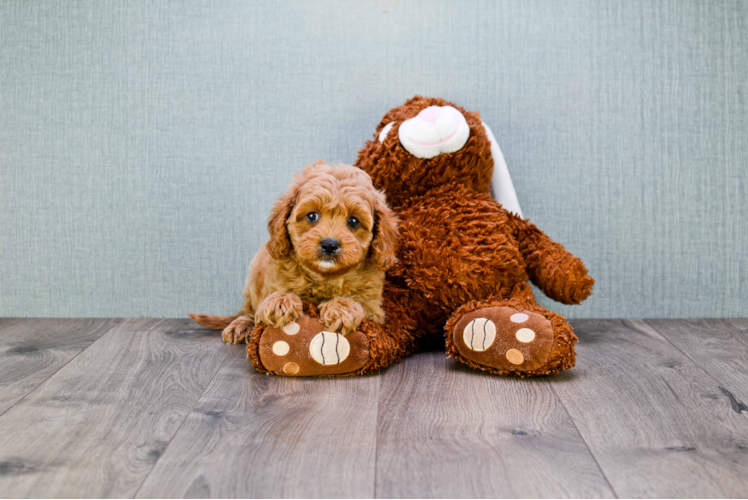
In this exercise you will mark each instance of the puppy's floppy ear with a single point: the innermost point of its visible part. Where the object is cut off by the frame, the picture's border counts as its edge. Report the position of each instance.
(384, 243)
(279, 245)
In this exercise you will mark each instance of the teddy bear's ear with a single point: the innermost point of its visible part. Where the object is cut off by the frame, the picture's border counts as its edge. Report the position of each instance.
(502, 188)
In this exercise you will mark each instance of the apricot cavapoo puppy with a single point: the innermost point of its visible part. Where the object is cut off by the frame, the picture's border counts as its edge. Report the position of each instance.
(332, 237)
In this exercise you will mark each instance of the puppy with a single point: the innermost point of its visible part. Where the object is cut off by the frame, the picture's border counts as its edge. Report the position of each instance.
(332, 237)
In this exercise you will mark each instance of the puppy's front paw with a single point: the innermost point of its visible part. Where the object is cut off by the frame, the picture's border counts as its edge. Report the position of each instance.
(238, 331)
(279, 309)
(341, 314)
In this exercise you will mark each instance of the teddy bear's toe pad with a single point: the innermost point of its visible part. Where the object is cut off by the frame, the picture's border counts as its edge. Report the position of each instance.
(504, 338)
(305, 348)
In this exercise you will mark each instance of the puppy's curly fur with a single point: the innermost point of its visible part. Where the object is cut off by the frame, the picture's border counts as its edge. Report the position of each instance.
(293, 266)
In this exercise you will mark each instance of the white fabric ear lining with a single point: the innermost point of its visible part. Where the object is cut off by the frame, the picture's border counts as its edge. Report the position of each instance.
(385, 131)
(502, 188)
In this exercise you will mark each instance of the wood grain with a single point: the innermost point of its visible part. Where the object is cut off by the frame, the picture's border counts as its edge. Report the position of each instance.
(254, 435)
(719, 346)
(658, 424)
(31, 350)
(156, 408)
(6, 322)
(97, 426)
(446, 430)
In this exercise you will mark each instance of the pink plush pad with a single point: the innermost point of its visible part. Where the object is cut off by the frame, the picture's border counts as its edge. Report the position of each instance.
(430, 114)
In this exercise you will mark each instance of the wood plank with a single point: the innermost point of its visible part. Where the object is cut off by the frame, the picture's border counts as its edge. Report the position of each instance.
(31, 350)
(446, 430)
(719, 346)
(98, 425)
(253, 435)
(658, 425)
(6, 322)
(739, 323)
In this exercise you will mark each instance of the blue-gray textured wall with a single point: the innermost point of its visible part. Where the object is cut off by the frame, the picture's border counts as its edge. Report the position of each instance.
(142, 143)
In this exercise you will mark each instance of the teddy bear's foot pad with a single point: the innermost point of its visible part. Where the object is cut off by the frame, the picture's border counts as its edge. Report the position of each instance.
(504, 338)
(305, 348)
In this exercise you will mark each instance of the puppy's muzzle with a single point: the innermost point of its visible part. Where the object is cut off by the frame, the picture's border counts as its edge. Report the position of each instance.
(329, 246)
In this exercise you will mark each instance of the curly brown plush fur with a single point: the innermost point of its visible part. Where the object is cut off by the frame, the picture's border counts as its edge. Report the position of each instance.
(459, 249)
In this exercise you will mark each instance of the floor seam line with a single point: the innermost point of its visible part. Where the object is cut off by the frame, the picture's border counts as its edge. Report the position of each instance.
(117, 323)
(187, 415)
(376, 441)
(692, 360)
(581, 436)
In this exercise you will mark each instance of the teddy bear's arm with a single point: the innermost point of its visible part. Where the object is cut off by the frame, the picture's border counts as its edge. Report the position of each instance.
(559, 274)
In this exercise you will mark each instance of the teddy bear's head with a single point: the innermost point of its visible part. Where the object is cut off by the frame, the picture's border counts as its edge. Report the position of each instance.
(426, 143)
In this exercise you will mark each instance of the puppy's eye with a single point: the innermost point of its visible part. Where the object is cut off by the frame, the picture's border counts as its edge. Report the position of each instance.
(312, 217)
(353, 222)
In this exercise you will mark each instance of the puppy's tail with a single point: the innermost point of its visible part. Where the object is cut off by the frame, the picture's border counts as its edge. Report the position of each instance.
(214, 322)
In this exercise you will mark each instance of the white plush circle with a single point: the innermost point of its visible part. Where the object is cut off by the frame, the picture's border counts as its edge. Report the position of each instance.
(385, 131)
(479, 334)
(519, 318)
(328, 348)
(281, 348)
(436, 130)
(525, 335)
(292, 328)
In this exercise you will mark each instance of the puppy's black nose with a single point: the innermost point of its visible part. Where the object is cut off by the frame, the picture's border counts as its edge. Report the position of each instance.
(329, 245)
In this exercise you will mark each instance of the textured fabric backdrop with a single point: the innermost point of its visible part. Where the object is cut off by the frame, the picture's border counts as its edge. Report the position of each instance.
(142, 143)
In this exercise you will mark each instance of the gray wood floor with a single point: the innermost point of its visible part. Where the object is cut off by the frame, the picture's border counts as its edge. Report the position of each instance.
(162, 408)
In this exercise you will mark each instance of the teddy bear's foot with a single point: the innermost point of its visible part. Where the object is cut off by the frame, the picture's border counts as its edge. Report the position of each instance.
(305, 348)
(512, 340)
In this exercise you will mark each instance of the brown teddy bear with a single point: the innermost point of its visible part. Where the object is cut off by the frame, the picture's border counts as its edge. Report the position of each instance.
(464, 262)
